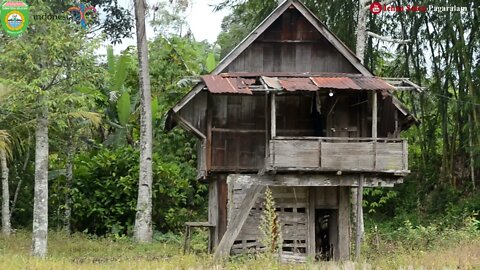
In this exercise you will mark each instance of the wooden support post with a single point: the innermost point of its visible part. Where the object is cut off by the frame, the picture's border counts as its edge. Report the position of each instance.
(273, 120)
(359, 231)
(208, 154)
(267, 138)
(213, 211)
(374, 115)
(311, 222)
(343, 224)
(374, 127)
(237, 222)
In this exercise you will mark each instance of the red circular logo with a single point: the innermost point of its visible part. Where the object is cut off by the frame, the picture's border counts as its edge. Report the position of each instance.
(376, 8)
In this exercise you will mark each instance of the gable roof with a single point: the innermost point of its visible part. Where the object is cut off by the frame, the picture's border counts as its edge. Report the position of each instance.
(262, 27)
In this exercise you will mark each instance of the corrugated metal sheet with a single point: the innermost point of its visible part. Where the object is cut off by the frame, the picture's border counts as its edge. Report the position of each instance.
(352, 83)
(335, 83)
(297, 84)
(234, 85)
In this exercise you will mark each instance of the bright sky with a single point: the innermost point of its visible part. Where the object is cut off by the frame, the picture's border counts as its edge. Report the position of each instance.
(204, 23)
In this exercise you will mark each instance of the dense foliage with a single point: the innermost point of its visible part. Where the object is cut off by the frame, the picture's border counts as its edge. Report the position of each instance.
(93, 104)
(94, 109)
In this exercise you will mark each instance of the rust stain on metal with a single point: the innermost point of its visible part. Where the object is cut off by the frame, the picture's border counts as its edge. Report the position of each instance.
(335, 83)
(234, 85)
(297, 84)
(352, 83)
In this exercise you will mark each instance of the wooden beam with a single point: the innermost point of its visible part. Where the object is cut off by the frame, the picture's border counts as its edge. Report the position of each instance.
(273, 121)
(314, 180)
(343, 224)
(234, 228)
(267, 138)
(208, 144)
(359, 223)
(374, 114)
(186, 125)
(311, 222)
(213, 212)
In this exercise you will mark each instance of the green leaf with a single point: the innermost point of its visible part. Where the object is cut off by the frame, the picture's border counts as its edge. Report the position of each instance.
(123, 108)
(154, 108)
(211, 62)
(121, 73)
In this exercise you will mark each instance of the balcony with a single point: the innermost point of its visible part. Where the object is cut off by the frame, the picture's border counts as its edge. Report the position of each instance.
(323, 154)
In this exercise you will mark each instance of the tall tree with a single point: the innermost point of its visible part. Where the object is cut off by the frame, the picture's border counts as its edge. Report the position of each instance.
(143, 219)
(6, 225)
(40, 203)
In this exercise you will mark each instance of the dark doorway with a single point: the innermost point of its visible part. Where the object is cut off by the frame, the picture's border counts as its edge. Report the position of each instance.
(324, 234)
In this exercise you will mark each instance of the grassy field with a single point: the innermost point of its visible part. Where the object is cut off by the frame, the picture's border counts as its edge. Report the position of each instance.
(83, 252)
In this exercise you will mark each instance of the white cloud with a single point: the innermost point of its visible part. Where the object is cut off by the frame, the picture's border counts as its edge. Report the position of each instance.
(204, 23)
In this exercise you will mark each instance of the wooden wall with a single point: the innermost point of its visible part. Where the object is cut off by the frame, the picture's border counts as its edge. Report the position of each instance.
(239, 128)
(237, 132)
(291, 44)
(296, 211)
(195, 112)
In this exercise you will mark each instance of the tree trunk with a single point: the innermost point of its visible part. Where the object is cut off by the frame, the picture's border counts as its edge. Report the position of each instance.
(40, 204)
(68, 185)
(361, 30)
(143, 219)
(6, 227)
(356, 196)
(20, 181)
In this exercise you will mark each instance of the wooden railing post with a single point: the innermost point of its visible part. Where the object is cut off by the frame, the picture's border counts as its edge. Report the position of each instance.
(274, 117)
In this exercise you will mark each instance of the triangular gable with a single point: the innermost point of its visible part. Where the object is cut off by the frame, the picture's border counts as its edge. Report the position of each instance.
(262, 27)
(319, 26)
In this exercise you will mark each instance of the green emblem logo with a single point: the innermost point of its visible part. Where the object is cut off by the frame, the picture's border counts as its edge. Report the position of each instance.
(14, 17)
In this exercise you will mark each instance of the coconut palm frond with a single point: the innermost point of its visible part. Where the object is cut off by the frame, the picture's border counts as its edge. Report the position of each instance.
(5, 142)
(94, 118)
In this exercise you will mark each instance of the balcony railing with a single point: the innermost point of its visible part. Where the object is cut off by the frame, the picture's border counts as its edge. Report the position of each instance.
(369, 155)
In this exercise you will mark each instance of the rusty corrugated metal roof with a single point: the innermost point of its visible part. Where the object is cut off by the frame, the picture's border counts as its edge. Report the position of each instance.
(352, 83)
(235, 85)
(297, 84)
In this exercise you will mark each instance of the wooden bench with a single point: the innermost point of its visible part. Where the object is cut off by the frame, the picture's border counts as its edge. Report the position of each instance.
(188, 234)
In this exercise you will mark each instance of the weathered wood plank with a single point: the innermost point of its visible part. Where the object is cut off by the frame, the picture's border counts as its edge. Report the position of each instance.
(233, 229)
(337, 156)
(359, 221)
(273, 118)
(201, 159)
(296, 153)
(344, 224)
(374, 114)
(213, 211)
(311, 221)
(299, 180)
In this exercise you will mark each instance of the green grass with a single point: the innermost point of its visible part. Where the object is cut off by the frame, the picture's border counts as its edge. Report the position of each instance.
(83, 252)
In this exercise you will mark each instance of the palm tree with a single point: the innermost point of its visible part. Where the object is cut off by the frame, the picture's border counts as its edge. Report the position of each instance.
(143, 219)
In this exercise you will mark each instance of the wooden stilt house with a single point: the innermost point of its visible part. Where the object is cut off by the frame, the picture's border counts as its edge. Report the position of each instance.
(292, 108)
